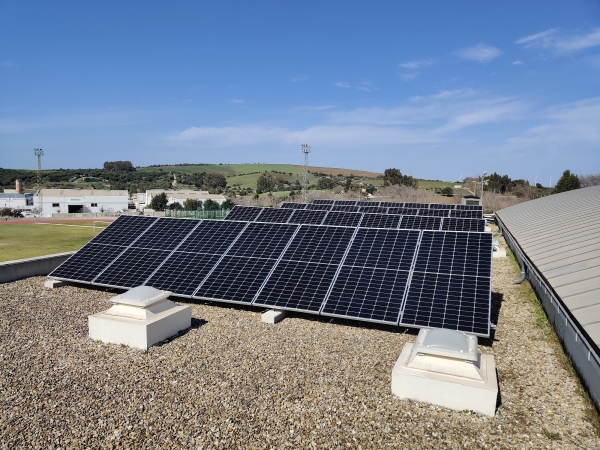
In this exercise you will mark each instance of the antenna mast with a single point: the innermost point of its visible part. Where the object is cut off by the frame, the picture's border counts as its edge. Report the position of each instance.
(306, 151)
(39, 153)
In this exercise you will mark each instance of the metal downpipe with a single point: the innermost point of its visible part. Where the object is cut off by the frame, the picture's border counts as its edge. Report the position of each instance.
(523, 275)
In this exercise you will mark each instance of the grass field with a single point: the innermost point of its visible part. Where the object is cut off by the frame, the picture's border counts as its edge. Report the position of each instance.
(27, 240)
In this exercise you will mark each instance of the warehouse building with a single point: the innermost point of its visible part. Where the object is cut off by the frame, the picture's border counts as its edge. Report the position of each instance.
(556, 240)
(23, 202)
(55, 201)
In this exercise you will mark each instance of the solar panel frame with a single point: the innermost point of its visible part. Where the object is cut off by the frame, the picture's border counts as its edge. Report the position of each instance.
(165, 234)
(274, 215)
(314, 244)
(373, 209)
(131, 268)
(345, 202)
(124, 231)
(434, 212)
(323, 201)
(392, 204)
(441, 206)
(340, 218)
(460, 224)
(262, 240)
(345, 208)
(420, 222)
(380, 220)
(467, 214)
(318, 207)
(212, 237)
(470, 207)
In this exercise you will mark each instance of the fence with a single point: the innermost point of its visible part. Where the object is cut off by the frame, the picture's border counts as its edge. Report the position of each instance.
(197, 214)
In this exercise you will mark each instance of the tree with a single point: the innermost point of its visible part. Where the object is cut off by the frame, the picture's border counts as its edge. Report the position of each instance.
(210, 205)
(214, 180)
(567, 182)
(159, 202)
(265, 183)
(326, 183)
(119, 166)
(227, 204)
(175, 205)
(394, 177)
(447, 191)
(498, 183)
(192, 204)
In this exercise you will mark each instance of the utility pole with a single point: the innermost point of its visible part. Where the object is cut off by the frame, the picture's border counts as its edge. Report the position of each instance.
(306, 151)
(39, 153)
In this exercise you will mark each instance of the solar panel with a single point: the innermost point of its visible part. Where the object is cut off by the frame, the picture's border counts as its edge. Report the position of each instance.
(455, 302)
(434, 212)
(262, 240)
(309, 217)
(323, 202)
(132, 268)
(306, 270)
(124, 230)
(275, 215)
(318, 206)
(466, 214)
(346, 208)
(212, 236)
(409, 211)
(470, 207)
(345, 202)
(416, 205)
(441, 206)
(342, 219)
(367, 203)
(166, 234)
(292, 205)
(391, 204)
(182, 272)
(87, 263)
(420, 222)
(235, 279)
(314, 244)
(243, 213)
(459, 253)
(373, 209)
(459, 224)
(380, 221)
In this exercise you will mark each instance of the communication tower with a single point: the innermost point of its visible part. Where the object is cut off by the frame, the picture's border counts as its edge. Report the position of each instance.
(39, 153)
(306, 151)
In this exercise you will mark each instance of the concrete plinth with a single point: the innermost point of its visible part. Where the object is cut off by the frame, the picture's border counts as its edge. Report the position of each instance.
(140, 318)
(459, 384)
(499, 252)
(273, 316)
(53, 284)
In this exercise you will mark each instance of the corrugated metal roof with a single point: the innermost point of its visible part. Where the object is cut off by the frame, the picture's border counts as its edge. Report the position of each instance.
(560, 235)
(82, 192)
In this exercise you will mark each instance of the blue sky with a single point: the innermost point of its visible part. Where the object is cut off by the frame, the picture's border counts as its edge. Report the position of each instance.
(437, 89)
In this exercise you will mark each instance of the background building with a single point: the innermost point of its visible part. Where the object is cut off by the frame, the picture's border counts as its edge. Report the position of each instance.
(11, 200)
(142, 200)
(81, 201)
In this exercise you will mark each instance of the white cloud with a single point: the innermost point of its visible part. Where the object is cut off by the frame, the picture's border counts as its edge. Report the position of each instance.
(237, 101)
(416, 64)
(518, 62)
(342, 84)
(561, 43)
(365, 86)
(300, 78)
(480, 52)
(408, 76)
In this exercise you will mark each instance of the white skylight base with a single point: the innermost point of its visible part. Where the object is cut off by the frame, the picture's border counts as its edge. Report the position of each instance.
(473, 387)
(139, 326)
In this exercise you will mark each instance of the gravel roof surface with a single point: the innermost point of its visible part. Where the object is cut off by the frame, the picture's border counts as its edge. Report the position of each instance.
(232, 381)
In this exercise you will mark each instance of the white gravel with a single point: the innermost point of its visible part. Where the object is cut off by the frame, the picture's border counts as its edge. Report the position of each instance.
(231, 381)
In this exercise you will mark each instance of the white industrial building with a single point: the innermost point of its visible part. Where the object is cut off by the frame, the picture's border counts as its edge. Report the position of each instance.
(142, 200)
(12, 200)
(55, 201)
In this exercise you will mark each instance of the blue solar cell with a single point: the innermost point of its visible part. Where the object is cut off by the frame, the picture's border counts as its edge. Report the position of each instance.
(263, 240)
(454, 302)
(346, 219)
(467, 214)
(235, 280)
(245, 213)
(124, 230)
(380, 221)
(361, 293)
(166, 234)
(317, 244)
(87, 263)
(319, 206)
(420, 222)
(459, 224)
(292, 205)
(346, 208)
(274, 215)
(212, 236)
(323, 202)
(182, 272)
(308, 217)
(297, 286)
(383, 248)
(434, 212)
(132, 268)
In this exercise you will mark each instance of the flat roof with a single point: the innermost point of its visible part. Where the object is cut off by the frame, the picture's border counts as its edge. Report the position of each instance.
(83, 192)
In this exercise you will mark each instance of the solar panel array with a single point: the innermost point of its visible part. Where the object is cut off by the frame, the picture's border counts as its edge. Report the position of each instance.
(407, 220)
(415, 278)
(411, 208)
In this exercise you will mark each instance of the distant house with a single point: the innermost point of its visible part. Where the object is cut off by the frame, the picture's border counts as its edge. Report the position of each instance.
(142, 200)
(13, 200)
(81, 201)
